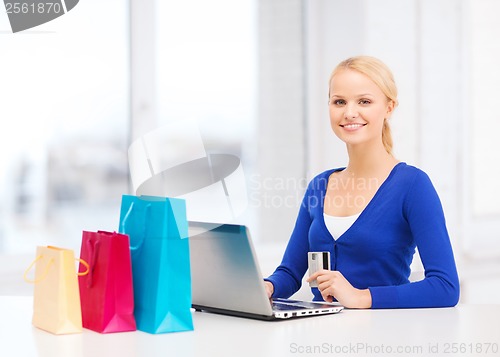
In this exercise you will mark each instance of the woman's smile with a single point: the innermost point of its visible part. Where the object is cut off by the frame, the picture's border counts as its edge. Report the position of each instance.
(352, 126)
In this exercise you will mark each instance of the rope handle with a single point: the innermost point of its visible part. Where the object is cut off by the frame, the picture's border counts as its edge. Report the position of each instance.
(93, 250)
(25, 275)
(86, 265)
(147, 211)
(46, 271)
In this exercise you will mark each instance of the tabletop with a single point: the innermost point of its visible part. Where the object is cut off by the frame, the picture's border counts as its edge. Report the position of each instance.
(464, 330)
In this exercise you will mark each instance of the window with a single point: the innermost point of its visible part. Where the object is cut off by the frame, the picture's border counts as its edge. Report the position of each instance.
(64, 108)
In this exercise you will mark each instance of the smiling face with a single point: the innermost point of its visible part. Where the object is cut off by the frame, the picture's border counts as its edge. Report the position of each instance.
(358, 108)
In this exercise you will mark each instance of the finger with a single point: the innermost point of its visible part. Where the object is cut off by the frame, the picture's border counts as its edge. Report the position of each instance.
(318, 274)
(313, 276)
(324, 285)
(326, 277)
(326, 296)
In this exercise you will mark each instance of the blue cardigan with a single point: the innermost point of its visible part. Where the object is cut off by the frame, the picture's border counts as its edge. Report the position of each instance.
(377, 250)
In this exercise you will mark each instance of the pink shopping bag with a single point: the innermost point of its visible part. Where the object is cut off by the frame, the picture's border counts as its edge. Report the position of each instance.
(106, 293)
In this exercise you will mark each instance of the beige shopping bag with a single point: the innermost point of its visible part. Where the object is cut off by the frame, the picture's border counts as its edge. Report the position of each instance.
(56, 297)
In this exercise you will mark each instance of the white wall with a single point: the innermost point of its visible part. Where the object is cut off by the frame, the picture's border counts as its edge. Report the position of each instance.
(443, 58)
(280, 139)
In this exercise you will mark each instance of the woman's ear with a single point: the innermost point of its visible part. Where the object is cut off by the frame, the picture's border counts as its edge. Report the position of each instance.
(390, 108)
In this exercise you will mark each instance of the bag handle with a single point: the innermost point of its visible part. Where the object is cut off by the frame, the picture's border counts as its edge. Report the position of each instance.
(86, 265)
(44, 275)
(145, 227)
(125, 218)
(94, 250)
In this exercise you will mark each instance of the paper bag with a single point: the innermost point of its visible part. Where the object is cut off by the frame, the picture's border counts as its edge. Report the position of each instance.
(157, 228)
(56, 298)
(106, 292)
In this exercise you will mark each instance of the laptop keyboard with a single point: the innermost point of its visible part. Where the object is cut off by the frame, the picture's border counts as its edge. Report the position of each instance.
(286, 307)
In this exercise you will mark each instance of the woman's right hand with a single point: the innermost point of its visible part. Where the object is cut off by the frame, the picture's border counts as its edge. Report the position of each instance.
(269, 288)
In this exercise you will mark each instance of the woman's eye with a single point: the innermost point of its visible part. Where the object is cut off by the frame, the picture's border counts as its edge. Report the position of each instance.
(338, 102)
(364, 101)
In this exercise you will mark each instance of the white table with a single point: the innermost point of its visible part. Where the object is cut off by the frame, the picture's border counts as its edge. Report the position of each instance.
(466, 328)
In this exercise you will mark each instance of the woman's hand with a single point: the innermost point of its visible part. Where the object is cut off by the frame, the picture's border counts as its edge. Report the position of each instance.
(332, 284)
(269, 288)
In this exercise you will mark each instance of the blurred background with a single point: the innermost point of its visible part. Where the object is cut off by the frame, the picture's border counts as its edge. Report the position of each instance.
(75, 92)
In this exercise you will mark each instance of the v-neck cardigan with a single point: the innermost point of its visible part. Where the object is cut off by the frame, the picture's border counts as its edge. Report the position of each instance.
(377, 250)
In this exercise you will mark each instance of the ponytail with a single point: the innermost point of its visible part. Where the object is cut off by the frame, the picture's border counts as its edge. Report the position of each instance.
(387, 136)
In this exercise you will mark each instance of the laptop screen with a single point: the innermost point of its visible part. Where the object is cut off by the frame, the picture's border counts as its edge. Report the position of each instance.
(224, 270)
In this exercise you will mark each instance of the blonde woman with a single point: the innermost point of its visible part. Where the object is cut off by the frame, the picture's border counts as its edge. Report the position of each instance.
(372, 214)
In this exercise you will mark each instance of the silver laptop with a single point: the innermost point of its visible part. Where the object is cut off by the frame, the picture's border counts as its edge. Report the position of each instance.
(226, 277)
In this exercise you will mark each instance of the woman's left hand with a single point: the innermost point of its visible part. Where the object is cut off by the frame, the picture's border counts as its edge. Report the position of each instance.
(332, 284)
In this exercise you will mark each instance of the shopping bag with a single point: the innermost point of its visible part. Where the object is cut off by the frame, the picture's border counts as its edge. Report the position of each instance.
(106, 292)
(157, 228)
(56, 298)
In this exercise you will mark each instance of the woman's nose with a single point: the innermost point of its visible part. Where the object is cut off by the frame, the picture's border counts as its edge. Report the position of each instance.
(350, 112)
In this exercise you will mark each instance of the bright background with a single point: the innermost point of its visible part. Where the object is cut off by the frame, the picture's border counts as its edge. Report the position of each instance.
(76, 91)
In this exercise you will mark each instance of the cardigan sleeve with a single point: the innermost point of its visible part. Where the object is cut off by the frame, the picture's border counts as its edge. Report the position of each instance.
(287, 278)
(440, 287)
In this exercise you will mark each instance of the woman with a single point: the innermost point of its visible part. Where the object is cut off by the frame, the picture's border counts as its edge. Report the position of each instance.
(372, 214)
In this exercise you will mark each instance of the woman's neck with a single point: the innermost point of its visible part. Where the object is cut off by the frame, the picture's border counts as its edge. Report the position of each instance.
(369, 161)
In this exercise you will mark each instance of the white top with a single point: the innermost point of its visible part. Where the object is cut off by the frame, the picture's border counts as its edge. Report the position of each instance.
(339, 225)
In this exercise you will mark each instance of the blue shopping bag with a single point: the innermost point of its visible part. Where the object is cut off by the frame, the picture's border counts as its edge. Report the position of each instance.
(158, 230)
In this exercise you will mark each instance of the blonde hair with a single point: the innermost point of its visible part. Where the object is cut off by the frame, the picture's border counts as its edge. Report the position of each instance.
(382, 76)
